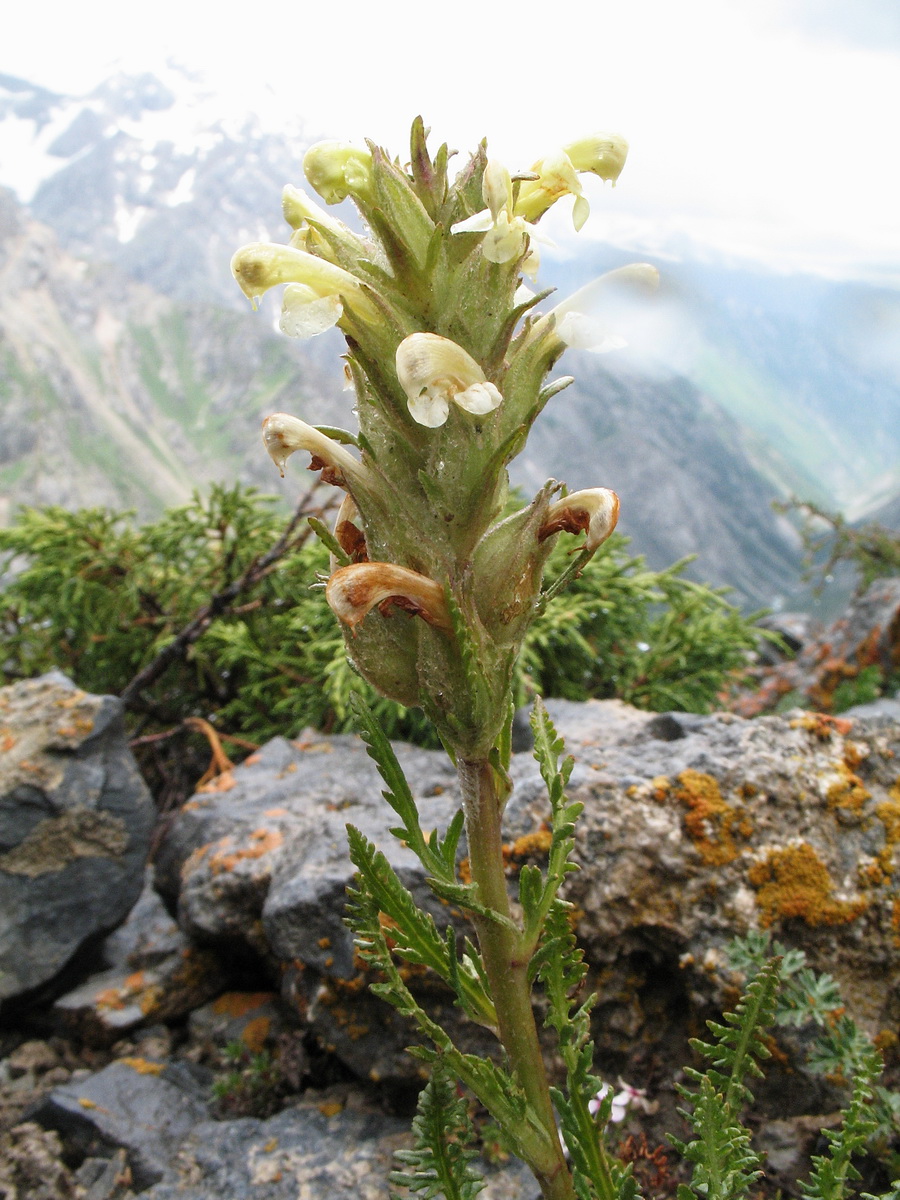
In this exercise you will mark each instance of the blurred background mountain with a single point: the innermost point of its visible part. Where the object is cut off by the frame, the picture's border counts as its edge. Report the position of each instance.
(132, 370)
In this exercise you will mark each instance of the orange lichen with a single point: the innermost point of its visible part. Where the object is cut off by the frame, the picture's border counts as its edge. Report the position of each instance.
(324, 943)
(143, 1066)
(661, 785)
(888, 813)
(794, 882)
(109, 998)
(895, 921)
(330, 1108)
(870, 874)
(710, 822)
(152, 999)
(847, 791)
(855, 753)
(822, 725)
(255, 1033)
(238, 1004)
(537, 842)
(262, 841)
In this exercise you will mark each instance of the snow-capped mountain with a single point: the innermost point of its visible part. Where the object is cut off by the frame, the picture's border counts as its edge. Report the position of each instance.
(148, 174)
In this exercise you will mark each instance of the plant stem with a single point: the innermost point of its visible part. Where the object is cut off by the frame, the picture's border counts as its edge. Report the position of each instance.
(507, 971)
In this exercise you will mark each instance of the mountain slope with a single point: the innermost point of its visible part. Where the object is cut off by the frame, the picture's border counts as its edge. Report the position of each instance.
(112, 394)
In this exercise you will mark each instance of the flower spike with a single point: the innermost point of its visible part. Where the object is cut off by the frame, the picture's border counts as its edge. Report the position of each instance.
(433, 370)
(352, 592)
(594, 511)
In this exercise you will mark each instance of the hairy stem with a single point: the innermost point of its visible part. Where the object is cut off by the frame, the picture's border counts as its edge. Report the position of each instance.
(507, 971)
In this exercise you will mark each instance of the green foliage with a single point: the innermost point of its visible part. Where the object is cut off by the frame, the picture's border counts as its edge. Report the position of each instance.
(868, 685)
(254, 1085)
(833, 1171)
(538, 891)
(440, 1164)
(652, 638)
(725, 1165)
(98, 596)
(840, 1049)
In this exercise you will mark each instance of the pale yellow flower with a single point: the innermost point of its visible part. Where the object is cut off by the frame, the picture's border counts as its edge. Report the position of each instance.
(433, 371)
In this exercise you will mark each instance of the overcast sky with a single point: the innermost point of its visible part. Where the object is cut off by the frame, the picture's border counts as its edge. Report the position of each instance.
(765, 128)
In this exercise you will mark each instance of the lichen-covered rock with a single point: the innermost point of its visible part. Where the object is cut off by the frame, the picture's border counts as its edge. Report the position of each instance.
(696, 829)
(143, 1106)
(75, 824)
(314, 1151)
(787, 823)
(867, 635)
(264, 864)
(154, 974)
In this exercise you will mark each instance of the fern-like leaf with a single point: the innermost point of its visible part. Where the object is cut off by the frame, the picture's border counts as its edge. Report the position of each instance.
(440, 1164)
(417, 940)
(833, 1171)
(437, 857)
(536, 896)
(725, 1165)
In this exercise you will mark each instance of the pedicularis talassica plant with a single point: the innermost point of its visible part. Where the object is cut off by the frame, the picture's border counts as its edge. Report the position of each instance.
(449, 357)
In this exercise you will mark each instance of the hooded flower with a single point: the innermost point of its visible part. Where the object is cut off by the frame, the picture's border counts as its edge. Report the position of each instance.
(588, 319)
(283, 434)
(507, 235)
(603, 154)
(433, 371)
(594, 512)
(337, 170)
(557, 175)
(318, 293)
(352, 592)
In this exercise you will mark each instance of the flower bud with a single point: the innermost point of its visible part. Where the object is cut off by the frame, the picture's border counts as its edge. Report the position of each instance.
(433, 370)
(337, 170)
(348, 532)
(352, 592)
(594, 511)
(602, 154)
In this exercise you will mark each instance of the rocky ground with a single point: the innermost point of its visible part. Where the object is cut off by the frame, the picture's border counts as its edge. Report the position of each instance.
(221, 1041)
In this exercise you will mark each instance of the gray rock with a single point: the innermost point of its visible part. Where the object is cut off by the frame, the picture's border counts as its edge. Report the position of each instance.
(154, 974)
(695, 830)
(265, 865)
(146, 1108)
(314, 1151)
(75, 824)
(866, 635)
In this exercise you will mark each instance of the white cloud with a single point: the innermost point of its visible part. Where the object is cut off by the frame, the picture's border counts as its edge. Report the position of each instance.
(745, 120)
